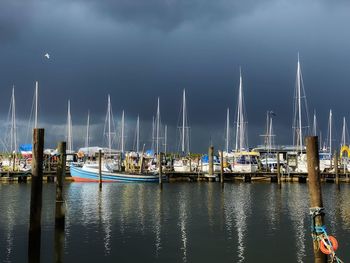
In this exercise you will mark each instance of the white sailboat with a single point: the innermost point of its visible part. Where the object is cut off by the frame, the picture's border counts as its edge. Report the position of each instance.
(325, 154)
(344, 147)
(269, 160)
(111, 168)
(241, 159)
(297, 160)
(183, 163)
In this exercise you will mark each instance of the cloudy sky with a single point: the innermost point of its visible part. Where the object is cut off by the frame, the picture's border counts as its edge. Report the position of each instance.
(138, 50)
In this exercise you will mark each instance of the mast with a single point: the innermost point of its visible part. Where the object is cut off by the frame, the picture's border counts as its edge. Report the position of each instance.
(138, 134)
(227, 129)
(240, 129)
(87, 139)
(13, 136)
(153, 133)
(36, 104)
(343, 136)
(165, 138)
(183, 120)
(69, 130)
(330, 131)
(109, 124)
(299, 106)
(314, 126)
(122, 133)
(157, 127)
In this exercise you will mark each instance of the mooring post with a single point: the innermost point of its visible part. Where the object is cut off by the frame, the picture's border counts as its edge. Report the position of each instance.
(60, 176)
(336, 167)
(190, 162)
(34, 236)
(315, 192)
(222, 167)
(160, 168)
(100, 168)
(278, 168)
(211, 160)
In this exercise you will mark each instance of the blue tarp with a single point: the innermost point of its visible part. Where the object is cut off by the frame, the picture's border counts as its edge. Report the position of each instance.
(25, 148)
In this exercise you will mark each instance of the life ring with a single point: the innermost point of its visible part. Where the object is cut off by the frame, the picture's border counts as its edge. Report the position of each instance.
(325, 249)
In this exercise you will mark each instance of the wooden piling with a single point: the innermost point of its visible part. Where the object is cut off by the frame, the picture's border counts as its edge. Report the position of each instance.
(336, 167)
(315, 192)
(34, 235)
(278, 169)
(60, 177)
(222, 167)
(160, 168)
(211, 160)
(100, 168)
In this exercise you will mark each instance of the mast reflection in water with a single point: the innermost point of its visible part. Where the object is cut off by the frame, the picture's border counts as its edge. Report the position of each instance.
(184, 222)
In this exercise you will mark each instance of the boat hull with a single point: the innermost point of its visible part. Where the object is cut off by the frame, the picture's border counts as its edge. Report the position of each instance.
(83, 175)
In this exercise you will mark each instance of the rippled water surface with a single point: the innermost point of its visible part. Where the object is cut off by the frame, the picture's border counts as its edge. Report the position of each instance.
(184, 222)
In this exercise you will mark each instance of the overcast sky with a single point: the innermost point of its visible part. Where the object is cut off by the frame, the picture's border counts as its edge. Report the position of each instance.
(139, 50)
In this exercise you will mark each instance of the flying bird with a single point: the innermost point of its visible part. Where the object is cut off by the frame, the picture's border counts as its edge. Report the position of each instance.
(47, 55)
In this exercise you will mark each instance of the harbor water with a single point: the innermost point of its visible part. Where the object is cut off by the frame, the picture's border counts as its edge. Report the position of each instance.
(183, 222)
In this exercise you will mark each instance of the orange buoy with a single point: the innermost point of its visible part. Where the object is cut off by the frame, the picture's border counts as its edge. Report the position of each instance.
(326, 249)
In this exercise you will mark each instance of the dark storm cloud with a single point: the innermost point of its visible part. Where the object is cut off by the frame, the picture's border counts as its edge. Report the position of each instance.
(169, 14)
(139, 50)
(14, 14)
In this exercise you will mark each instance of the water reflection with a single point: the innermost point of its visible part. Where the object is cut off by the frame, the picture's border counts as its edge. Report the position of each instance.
(273, 207)
(183, 224)
(158, 222)
(237, 211)
(298, 207)
(106, 218)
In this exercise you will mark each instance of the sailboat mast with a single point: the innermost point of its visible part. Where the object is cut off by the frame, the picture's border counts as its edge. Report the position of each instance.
(122, 133)
(157, 126)
(13, 137)
(227, 129)
(165, 138)
(314, 126)
(183, 120)
(87, 140)
(36, 104)
(138, 134)
(343, 136)
(69, 129)
(240, 121)
(109, 124)
(299, 106)
(330, 131)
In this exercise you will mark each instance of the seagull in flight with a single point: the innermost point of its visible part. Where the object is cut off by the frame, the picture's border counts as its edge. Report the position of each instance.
(47, 55)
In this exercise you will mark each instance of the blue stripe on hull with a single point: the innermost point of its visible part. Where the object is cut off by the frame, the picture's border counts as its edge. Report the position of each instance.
(78, 172)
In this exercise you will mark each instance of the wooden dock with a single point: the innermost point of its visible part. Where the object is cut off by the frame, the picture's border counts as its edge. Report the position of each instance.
(49, 176)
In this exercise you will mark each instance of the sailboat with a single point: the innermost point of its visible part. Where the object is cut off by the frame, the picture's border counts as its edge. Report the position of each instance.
(111, 168)
(296, 160)
(344, 147)
(269, 160)
(325, 154)
(241, 159)
(183, 164)
(11, 137)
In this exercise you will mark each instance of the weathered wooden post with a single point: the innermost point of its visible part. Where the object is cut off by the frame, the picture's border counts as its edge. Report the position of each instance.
(60, 176)
(160, 168)
(100, 168)
(60, 208)
(336, 167)
(222, 167)
(211, 160)
(315, 193)
(278, 168)
(190, 162)
(34, 235)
